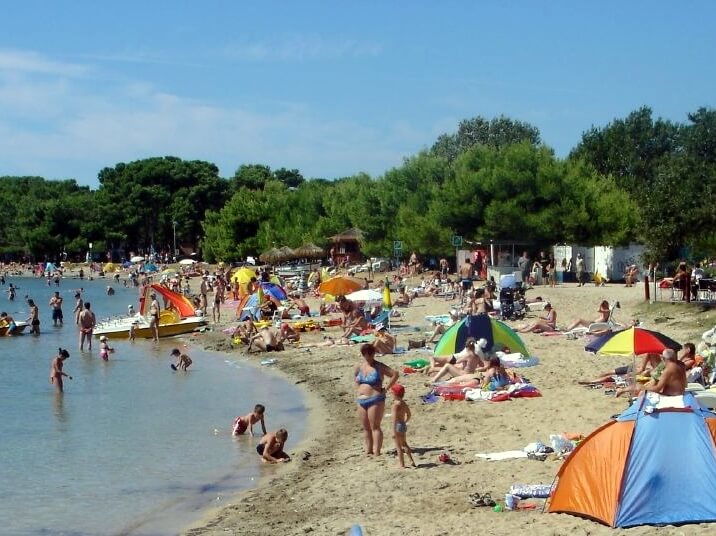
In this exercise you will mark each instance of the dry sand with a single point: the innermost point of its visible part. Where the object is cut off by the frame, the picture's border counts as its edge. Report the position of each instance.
(338, 485)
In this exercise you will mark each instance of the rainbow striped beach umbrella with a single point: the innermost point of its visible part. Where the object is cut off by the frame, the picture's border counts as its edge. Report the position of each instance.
(635, 341)
(496, 333)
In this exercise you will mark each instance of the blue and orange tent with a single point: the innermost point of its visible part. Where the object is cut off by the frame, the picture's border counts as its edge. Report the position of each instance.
(650, 466)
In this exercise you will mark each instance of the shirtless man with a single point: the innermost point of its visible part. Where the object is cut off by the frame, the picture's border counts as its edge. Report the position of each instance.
(465, 274)
(56, 372)
(672, 381)
(154, 309)
(34, 318)
(87, 322)
(482, 304)
(56, 305)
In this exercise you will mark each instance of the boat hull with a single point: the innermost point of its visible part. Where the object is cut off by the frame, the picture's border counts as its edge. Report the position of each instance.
(144, 331)
(20, 327)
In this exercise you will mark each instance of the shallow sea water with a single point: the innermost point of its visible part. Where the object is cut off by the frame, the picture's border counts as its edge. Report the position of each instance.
(132, 447)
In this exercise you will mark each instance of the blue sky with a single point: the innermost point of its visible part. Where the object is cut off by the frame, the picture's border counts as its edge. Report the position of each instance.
(330, 88)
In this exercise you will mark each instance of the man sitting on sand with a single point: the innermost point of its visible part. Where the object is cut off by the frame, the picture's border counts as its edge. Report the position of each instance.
(668, 378)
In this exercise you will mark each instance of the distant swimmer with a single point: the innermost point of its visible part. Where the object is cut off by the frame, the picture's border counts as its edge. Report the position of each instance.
(87, 322)
(56, 372)
(110, 291)
(11, 292)
(183, 360)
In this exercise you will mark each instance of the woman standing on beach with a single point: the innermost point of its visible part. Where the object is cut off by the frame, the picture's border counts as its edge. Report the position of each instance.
(369, 376)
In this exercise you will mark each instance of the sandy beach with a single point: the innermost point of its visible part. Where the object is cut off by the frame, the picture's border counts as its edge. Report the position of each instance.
(338, 486)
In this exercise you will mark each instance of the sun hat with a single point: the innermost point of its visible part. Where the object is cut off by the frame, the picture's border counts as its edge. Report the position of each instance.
(103, 338)
(380, 326)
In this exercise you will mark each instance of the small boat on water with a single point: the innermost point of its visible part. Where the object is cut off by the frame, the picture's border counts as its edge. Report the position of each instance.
(176, 318)
(19, 328)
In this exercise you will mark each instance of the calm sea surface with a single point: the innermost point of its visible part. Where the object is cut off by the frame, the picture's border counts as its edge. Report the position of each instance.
(132, 447)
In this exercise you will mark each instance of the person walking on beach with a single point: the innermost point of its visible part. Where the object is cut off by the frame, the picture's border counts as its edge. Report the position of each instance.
(87, 322)
(368, 376)
(465, 273)
(241, 424)
(401, 416)
(34, 318)
(56, 372)
(271, 446)
(56, 305)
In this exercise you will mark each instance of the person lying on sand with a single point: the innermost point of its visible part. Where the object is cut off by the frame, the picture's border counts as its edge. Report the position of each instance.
(442, 328)
(545, 323)
(603, 311)
(647, 363)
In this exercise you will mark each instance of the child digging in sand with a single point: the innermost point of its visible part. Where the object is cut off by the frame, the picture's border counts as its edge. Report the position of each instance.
(401, 416)
(241, 424)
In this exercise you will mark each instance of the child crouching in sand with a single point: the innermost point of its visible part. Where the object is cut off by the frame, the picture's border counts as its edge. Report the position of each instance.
(401, 416)
(241, 424)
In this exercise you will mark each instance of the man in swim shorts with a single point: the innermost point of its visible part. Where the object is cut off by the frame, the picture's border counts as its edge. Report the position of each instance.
(465, 273)
(56, 305)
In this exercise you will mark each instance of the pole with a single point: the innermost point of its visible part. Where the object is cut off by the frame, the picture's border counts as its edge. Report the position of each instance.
(174, 225)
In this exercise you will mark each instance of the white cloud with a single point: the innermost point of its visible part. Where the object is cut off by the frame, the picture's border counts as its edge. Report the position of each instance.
(300, 48)
(21, 61)
(57, 127)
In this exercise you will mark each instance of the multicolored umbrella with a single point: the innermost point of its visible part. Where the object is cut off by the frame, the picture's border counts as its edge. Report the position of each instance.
(634, 340)
(496, 333)
(340, 285)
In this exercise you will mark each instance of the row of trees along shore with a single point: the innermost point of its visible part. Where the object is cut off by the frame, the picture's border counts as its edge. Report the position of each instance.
(637, 179)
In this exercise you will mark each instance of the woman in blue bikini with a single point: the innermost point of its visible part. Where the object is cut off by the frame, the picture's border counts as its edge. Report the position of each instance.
(371, 396)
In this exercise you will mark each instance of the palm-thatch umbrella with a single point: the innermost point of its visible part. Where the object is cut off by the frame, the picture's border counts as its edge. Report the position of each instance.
(271, 256)
(310, 251)
(287, 253)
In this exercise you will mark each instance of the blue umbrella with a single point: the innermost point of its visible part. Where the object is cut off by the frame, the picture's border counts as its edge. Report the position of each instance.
(274, 290)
